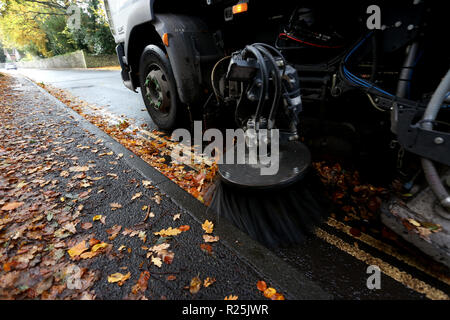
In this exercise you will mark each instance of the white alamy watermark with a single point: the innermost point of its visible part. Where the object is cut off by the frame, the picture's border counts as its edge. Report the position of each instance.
(374, 280)
(254, 147)
(374, 20)
(74, 19)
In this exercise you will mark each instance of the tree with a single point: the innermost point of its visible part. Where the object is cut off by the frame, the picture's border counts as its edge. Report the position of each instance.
(39, 27)
(20, 27)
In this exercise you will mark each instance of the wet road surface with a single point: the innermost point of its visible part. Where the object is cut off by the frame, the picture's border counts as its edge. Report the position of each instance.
(103, 88)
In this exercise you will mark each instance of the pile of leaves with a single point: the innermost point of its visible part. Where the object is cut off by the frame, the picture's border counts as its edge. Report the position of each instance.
(353, 201)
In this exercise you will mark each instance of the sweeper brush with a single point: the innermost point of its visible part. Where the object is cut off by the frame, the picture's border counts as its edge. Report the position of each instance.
(267, 187)
(274, 217)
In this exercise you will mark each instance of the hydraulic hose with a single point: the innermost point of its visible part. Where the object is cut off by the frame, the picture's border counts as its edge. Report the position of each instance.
(407, 70)
(427, 123)
(265, 80)
(277, 82)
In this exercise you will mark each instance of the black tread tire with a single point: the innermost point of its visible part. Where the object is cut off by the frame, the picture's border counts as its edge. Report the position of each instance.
(154, 55)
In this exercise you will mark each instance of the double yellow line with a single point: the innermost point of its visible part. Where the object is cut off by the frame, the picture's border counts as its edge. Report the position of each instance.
(393, 272)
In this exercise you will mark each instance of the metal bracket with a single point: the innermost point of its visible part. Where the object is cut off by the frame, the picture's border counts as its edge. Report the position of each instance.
(430, 144)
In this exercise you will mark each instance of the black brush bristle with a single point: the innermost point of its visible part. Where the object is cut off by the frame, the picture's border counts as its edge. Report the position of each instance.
(279, 217)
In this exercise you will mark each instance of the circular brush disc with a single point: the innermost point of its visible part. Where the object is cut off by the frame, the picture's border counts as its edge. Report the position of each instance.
(274, 217)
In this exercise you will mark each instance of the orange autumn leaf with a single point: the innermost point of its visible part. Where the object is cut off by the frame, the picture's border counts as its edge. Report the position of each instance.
(11, 206)
(195, 285)
(208, 281)
(261, 285)
(206, 247)
(119, 278)
(184, 228)
(142, 283)
(269, 292)
(77, 249)
(168, 232)
(277, 296)
(231, 297)
(208, 226)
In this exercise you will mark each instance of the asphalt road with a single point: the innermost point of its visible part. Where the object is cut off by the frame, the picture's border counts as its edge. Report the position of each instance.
(334, 259)
(102, 88)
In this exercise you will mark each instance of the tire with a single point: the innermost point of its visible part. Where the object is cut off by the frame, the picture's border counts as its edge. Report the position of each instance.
(158, 88)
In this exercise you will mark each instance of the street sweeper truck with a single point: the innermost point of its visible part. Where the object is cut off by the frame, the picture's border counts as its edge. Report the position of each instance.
(362, 83)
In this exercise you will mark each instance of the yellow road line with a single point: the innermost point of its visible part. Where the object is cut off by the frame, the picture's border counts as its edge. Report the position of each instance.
(388, 249)
(393, 272)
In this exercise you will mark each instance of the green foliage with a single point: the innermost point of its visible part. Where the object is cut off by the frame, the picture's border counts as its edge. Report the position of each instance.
(59, 38)
(39, 28)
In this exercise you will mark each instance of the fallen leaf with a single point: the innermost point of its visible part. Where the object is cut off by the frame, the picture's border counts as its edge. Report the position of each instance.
(208, 281)
(157, 199)
(115, 206)
(231, 297)
(142, 235)
(414, 222)
(176, 217)
(146, 183)
(86, 225)
(11, 206)
(64, 174)
(168, 232)
(269, 292)
(99, 246)
(206, 248)
(171, 277)
(156, 261)
(88, 255)
(277, 296)
(208, 226)
(184, 228)
(261, 285)
(118, 277)
(97, 217)
(114, 231)
(208, 238)
(79, 169)
(77, 249)
(137, 195)
(160, 247)
(195, 285)
(70, 226)
(142, 283)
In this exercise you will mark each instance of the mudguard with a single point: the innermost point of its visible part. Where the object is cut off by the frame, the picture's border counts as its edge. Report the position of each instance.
(191, 49)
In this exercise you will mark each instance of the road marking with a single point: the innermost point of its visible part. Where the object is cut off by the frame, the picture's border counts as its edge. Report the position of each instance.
(393, 272)
(388, 249)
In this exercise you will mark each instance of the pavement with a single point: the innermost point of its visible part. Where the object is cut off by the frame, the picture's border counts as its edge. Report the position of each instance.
(331, 265)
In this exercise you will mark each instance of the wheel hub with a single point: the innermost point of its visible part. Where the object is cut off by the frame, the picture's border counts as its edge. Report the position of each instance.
(157, 90)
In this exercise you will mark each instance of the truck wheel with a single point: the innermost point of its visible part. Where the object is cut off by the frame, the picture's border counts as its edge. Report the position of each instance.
(158, 87)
